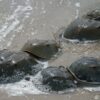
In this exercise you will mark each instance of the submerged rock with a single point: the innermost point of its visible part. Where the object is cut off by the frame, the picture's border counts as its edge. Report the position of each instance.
(86, 70)
(57, 78)
(85, 28)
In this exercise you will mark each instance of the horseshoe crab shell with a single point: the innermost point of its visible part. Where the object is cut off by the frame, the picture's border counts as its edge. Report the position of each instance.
(84, 28)
(16, 65)
(86, 70)
(43, 49)
(58, 78)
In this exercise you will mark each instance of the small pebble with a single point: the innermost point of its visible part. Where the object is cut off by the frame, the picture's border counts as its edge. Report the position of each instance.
(27, 78)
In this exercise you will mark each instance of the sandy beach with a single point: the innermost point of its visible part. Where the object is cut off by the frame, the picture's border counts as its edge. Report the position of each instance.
(22, 20)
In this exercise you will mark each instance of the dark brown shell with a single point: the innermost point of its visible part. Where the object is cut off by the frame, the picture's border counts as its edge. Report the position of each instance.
(45, 49)
(15, 65)
(84, 28)
(58, 78)
(86, 70)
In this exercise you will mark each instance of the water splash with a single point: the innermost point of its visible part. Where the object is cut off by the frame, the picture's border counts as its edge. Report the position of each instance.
(92, 89)
(13, 21)
(77, 9)
(24, 86)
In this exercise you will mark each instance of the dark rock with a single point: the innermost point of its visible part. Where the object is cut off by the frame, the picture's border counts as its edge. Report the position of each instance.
(27, 78)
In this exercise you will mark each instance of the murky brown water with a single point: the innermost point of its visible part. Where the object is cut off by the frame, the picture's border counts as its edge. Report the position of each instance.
(21, 20)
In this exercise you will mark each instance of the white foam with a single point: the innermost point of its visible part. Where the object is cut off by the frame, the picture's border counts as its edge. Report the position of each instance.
(10, 41)
(77, 4)
(19, 28)
(7, 29)
(77, 9)
(92, 89)
(44, 63)
(13, 20)
(22, 87)
(84, 42)
(10, 28)
(27, 8)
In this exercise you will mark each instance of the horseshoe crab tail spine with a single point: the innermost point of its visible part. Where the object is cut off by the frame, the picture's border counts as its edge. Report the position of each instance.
(82, 82)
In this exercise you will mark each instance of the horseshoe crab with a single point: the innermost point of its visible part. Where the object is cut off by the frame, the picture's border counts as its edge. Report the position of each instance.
(16, 65)
(41, 49)
(84, 28)
(86, 71)
(57, 78)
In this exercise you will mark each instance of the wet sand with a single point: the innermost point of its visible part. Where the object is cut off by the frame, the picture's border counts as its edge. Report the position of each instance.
(71, 96)
(21, 20)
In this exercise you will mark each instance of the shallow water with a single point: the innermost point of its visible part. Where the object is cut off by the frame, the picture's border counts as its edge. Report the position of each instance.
(21, 20)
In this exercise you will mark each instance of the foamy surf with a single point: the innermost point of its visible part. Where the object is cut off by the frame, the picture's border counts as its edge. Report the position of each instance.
(14, 22)
(33, 86)
(78, 41)
(21, 88)
(92, 89)
(24, 86)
